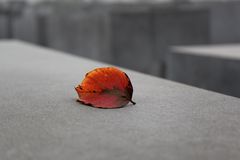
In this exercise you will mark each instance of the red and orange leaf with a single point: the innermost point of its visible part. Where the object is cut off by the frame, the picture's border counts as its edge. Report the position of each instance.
(105, 88)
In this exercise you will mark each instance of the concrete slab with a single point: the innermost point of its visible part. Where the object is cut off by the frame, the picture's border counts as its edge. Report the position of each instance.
(39, 118)
(213, 67)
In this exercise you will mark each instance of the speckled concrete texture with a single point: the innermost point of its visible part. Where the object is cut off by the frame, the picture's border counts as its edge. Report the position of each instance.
(40, 120)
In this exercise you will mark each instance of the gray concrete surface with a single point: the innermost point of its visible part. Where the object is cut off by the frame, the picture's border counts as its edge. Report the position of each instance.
(213, 67)
(39, 118)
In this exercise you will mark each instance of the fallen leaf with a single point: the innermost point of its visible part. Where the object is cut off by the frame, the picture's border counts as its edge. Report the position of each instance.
(106, 87)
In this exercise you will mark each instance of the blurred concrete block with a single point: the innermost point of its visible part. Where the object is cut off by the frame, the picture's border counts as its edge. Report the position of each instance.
(179, 26)
(135, 35)
(132, 39)
(18, 21)
(140, 36)
(215, 67)
(77, 28)
(225, 22)
(2, 27)
(25, 26)
(132, 36)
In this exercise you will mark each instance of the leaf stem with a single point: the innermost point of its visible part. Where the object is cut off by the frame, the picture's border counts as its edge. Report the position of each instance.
(132, 102)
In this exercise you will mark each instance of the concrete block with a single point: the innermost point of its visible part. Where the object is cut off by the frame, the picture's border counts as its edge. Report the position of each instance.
(77, 29)
(214, 68)
(40, 118)
(225, 22)
(124, 34)
(132, 40)
(2, 27)
(25, 26)
(175, 26)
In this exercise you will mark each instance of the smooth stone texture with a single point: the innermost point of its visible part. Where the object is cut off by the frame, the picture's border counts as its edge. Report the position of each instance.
(213, 67)
(40, 119)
